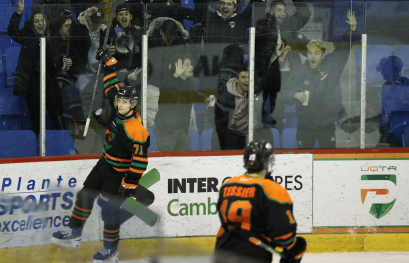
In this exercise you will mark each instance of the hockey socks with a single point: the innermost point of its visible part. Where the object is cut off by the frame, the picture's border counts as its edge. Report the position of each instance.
(79, 216)
(111, 237)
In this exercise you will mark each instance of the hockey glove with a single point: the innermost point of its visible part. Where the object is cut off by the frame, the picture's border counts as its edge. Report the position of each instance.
(105, 56)
(295, 253)
(128, 187)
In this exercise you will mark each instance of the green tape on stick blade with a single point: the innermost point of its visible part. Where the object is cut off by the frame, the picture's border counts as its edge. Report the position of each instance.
(150, 178)
(139, 210)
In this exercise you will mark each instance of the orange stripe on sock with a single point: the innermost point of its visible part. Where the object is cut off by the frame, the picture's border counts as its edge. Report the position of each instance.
(284, 237)
(80, 218)
(136, 171)
(121, 170)
(79, 208)
(118, 159)
(140, 159)
(115, 239)
(112, 231)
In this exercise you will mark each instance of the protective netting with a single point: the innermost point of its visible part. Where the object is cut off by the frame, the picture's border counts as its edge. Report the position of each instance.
(214, 37)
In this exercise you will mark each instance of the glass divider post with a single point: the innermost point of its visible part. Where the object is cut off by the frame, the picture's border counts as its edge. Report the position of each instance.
(251, 82)
(363, 90)
(145, 81)
(42, 95)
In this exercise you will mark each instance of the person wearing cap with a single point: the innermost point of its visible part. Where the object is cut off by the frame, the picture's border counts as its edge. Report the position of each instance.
(125, 39)
(86, 37)
(316, 91)
(51, 8)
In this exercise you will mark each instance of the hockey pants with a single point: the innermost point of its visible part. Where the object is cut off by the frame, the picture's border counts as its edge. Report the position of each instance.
(102, 182)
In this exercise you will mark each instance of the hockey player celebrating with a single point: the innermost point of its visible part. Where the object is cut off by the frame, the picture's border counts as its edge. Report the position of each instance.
(252, 207)
(116, 175)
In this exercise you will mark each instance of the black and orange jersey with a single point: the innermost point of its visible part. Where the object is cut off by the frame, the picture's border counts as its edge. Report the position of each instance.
(256, 207)
(126, 142)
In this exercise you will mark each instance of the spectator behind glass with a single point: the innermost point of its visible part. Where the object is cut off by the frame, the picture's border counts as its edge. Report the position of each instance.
(321, 107)
(290, 45)
(85, 38)
(125, 39)
(177, 94)
(27, 75)
(60, 34)
(225, 25)
(167, 37)
(170, 8)
(51, 8)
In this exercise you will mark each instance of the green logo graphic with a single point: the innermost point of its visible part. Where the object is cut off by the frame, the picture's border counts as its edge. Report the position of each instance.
(378, 210)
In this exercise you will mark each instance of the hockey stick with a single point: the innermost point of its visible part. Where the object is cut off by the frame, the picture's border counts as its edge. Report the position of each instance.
(258, 242)
(113, 7)
(135, 207)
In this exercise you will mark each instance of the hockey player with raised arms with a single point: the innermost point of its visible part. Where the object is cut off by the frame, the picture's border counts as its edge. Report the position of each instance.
(116, 175)
(256, 214)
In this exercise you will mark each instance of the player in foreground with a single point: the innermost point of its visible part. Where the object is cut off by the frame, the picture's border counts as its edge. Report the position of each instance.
(252, 207)
(116, 175)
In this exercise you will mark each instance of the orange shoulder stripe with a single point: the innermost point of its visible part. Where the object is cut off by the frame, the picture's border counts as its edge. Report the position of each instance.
(135, 131)
(272, 190)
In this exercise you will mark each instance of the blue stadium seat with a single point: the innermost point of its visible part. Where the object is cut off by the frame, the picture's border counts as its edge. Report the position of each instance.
(17, 144)
(12, 53)
(153, 146)
(289, 140)
(402, 51)
(194, 140)
(406, 138)
(374, 54)
(399, 123)
(206, 139)
(276, 137)
(59, 142)
(290, 121)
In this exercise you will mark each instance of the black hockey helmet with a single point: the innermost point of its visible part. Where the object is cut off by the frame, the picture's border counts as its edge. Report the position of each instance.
(258, 155)
(129, 93)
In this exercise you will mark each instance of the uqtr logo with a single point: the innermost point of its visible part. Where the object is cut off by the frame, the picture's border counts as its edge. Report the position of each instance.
(378, 210)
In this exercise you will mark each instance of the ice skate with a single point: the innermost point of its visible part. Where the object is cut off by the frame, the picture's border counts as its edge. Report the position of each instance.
(106, 255)
(69, 238)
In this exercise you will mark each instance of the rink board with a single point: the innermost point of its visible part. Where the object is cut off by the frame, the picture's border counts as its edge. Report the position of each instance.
(361, 193)
(185, 197)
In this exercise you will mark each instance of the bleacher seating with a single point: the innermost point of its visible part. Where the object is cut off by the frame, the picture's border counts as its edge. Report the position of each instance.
(289, 140)
(194, 140)
(276, 137)
(153, 144)
(11, 55)
(17, 144)
(59, 142)
(206, 139)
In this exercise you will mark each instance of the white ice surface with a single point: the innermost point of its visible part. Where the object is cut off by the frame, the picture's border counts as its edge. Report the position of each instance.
(362, 257)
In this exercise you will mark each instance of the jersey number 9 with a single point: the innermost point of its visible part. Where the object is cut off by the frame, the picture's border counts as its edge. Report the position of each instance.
(237, 212)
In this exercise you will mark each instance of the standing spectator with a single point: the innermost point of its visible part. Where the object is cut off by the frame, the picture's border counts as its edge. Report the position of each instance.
(290, 43)
(27, 76)
(321, 107)
(167, 37)
(126, 45)
(51, 8)
(175, 104)
(85, 39)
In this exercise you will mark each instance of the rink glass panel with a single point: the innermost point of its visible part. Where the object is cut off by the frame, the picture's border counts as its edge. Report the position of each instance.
(335, 101)
(387, 75)
(19, 70)
(178, 116)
